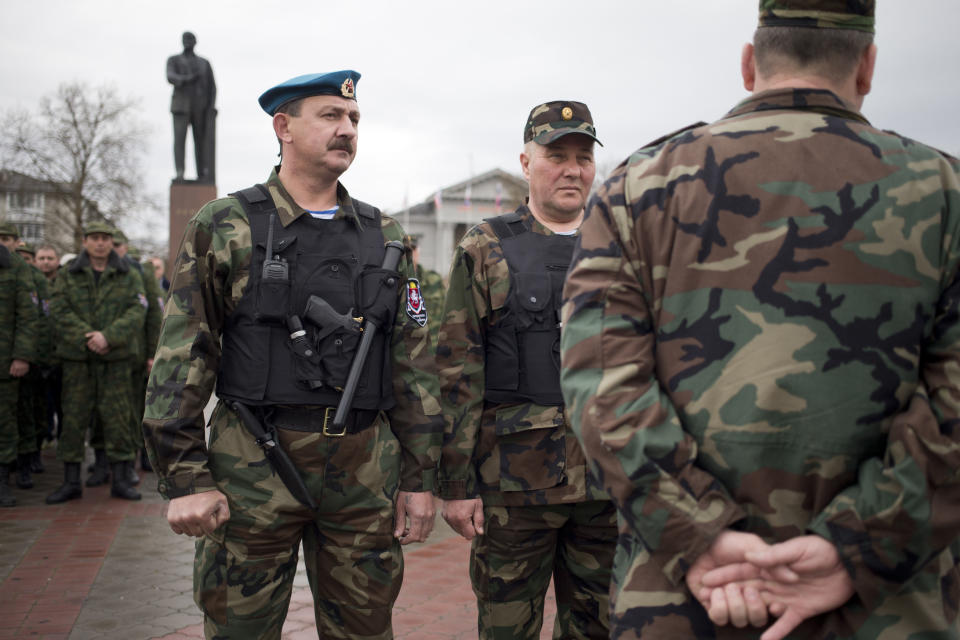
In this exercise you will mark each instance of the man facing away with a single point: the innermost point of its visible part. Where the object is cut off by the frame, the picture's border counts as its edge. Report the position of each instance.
(762, 357)
(263, 304)
(513, 477)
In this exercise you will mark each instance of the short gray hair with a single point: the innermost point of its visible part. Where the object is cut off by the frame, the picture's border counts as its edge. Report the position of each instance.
(832, 54)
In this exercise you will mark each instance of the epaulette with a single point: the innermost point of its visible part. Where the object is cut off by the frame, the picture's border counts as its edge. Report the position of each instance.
(663, 139)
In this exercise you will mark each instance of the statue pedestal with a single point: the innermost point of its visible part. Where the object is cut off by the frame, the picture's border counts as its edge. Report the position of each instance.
(186, 198)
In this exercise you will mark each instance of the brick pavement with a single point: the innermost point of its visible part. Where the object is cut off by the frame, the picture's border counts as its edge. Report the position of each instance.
(89, 570)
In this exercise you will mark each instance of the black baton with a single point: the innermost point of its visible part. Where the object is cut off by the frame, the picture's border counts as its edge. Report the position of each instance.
(391, 258)
(276, 456)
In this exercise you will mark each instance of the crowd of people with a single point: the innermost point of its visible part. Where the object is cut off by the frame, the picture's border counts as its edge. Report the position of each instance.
(722, 396)
(81, 331)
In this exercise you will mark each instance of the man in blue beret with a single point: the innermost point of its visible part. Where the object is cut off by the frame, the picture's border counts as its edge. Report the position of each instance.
(269, 293)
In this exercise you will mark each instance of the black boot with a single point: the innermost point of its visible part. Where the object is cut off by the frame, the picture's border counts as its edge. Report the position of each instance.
(24, 481)
(36, 462)
(6, 497)
(145, 461)
(71, 489)
(101, 469)
(121, 487)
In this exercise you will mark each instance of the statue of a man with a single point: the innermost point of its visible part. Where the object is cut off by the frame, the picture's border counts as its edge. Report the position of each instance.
(194, 94)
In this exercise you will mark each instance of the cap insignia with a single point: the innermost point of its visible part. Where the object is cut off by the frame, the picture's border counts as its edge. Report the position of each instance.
(566, 113)
(347, 88)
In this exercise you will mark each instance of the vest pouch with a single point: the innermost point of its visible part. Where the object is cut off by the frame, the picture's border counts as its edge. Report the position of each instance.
(378, 293)
(533, 291)
(531, 447)
(307, 370)
(336, 355)
(273, 296)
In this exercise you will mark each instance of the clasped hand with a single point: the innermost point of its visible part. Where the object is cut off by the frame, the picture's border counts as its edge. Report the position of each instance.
(742, 580)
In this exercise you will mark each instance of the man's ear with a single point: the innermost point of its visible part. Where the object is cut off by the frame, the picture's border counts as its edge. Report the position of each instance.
(868, 62)
(281, 126)
(525, 166)
(748, 67)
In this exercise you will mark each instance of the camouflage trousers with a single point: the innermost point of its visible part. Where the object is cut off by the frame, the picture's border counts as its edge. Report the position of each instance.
(244, 571)
(31, 411)
(9, 392)
(101, 391)
(138, 390)
(522, 547)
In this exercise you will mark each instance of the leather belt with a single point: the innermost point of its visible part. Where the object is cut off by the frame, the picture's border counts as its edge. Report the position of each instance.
(320, 419)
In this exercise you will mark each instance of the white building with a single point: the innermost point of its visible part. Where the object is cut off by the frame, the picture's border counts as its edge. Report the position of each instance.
(441, 221)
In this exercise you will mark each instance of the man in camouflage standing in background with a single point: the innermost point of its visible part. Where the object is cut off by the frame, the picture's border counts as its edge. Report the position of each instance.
(98, 306)
(761, 354)
(512, 475)
(146, 342)
(32, 405)
(18, 336)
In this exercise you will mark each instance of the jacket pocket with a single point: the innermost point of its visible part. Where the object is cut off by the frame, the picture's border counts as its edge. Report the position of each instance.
(531, 447)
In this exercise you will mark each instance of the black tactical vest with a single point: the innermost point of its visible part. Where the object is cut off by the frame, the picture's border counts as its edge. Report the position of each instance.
(336, 260)
(523, 347)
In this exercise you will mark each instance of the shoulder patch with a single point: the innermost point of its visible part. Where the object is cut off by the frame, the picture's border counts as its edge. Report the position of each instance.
(143, 300)
(416, 308)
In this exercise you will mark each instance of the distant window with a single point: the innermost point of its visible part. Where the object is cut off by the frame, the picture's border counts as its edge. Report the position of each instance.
(24, 200)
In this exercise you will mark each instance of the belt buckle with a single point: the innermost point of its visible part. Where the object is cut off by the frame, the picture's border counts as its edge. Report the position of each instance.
(328, 415)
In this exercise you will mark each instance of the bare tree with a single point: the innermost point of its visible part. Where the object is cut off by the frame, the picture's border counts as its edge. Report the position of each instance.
(88, 145)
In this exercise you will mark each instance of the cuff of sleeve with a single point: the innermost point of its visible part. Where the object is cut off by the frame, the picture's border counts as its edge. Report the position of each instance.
(853, 545)
(185, 484)
(685, 544)
(418, 479)
(457, 490)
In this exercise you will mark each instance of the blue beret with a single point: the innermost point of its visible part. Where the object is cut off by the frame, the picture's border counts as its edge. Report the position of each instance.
(336, 83)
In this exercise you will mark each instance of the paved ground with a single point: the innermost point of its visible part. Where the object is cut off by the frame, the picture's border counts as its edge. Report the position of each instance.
(90, 570)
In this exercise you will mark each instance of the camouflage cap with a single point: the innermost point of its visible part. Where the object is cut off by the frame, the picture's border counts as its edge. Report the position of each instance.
(818, 14)
(9, 229)
(98, 226)
(552, 120)
(26, 247)
(119, 237)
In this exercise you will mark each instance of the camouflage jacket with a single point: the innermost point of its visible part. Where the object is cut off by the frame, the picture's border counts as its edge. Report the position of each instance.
(209, 279)
(432, 290)
(761, 332)
(41, 301)
(18, 314)
(146, 343)
(114, 305)
(517, 454)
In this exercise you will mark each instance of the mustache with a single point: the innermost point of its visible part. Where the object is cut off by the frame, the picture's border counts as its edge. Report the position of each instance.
(340, 144)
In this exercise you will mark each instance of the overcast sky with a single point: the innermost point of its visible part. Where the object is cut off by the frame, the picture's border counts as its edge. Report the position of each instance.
(446, 86)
